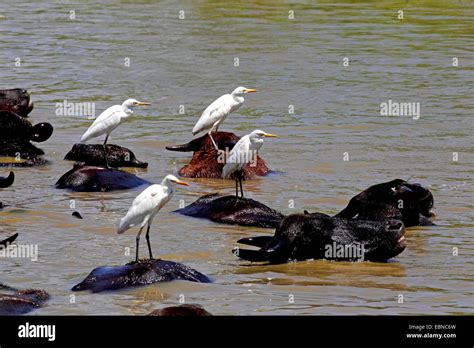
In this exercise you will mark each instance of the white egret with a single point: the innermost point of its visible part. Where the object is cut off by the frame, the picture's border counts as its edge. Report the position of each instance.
(146, 205)
(218, 111)
(109, 120)
(242, 153)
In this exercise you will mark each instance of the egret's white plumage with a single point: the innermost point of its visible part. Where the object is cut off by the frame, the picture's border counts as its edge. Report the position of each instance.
(110, 119)
(218, 111)
(242, 153)
(147, 204)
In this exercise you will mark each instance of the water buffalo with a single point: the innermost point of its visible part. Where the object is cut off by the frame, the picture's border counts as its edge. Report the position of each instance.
(83, 178)
(319, 236)
(234, 211)
(208, 163)
(16, 100)
(398, 199)
(16, 302)
(93, 155)
(16, 132)
(139, 273)
(184, 310)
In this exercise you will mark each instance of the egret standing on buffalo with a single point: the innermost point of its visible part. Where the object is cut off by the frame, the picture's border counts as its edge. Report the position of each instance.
(109, 120)
(146, 205)
(242, 153)
(218, 111)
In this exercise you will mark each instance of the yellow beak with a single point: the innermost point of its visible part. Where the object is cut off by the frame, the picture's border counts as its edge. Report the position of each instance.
(179, 182)
(250, 90)
(143, 103)
(268, 135)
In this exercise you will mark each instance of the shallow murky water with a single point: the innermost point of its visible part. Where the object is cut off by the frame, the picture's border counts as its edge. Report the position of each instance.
(296, 62)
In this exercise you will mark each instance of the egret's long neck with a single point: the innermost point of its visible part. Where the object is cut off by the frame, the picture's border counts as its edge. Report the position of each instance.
(256, 143)
(168, 185)
(128, 111)
(239, 99)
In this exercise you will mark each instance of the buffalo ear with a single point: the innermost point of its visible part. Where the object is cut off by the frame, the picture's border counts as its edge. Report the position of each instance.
(305, 212)
(8, 181)
(41, 132)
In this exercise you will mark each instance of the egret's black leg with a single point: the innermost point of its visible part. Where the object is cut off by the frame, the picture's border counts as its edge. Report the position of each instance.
(138, 243)
(147, 236)
(240, 182)
(236, 186)
(105, 152)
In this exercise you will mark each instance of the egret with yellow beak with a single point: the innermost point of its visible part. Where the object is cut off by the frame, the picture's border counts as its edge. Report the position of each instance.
(146, 205)
(111, 119)
(242, 153)
(218, 111)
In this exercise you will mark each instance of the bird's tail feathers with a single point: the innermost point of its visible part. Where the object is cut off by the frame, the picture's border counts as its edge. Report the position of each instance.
(123, 226)
(85, 137)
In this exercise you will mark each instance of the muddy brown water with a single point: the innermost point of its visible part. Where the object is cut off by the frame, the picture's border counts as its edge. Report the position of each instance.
(295, 62)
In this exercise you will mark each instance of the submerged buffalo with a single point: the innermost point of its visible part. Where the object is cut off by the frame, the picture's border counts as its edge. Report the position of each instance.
(233, 210)
(93, 155)
(397, 199)
(17, 133)
(143, 272)
(184, 310)
(319, 236)
(83, 178)
(16, 100)
(16, 302)
(208, 163)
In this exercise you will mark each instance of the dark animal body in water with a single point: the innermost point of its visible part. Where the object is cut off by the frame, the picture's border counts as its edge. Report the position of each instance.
(184, 310)
(93, 155)
(397, 199)
(16, 132)
(16, 100)
(16, 127)
(6, 242)
(232, 210)
(208, 163)
(98, 179)
(16, 302)
(143, 272)
(319, 236)
(8, 181)
(378, 202)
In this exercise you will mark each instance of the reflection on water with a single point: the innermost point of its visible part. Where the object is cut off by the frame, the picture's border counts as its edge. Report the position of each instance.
(295, 62)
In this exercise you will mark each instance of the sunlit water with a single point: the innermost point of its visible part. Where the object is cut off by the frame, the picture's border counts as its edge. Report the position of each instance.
(295, 62)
